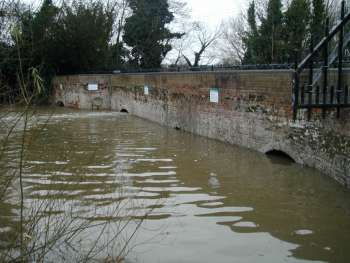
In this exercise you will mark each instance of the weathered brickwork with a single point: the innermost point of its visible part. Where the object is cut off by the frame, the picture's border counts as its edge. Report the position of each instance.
(254, 111)
(73, 92)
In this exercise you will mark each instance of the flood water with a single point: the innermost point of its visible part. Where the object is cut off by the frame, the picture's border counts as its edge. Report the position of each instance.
(200, 200)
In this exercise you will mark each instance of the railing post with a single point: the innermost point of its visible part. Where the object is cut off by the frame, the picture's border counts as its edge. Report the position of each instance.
(311, 80)
(325, 70)
(296, 95)
(296, 83)
(340, 88)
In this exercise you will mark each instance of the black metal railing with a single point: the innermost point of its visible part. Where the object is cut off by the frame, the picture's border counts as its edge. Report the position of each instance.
(207, 68)
(313, 89)
(173, 69)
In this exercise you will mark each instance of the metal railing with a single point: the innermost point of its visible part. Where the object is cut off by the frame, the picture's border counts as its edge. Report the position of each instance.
(311, 94)
(173, 69)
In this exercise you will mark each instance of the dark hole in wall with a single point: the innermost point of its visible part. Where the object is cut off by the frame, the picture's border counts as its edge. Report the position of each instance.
(124, 111)
(177, 128)
(279, 157)
(59, 104)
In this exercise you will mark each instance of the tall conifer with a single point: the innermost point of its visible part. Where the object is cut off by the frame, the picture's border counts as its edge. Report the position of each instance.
(271, 33)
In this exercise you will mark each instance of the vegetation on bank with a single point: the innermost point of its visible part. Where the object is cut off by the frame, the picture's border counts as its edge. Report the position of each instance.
(78, 36)
(284, 35)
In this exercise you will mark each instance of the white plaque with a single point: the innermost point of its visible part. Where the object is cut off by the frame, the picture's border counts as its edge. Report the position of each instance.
(214, 95)
(146, 90)
(92, 87)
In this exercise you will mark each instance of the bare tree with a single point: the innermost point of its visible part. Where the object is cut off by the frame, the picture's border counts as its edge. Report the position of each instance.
(232, 48)
(196, 44)
(8, 10)
(120, 10)
(179, 9)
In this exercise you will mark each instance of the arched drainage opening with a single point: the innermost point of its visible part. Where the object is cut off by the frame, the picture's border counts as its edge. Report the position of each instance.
(279, 157)
(124, 111)
(59, 104)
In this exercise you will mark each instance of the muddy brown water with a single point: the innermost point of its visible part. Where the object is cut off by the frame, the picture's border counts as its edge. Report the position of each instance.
(205, 201)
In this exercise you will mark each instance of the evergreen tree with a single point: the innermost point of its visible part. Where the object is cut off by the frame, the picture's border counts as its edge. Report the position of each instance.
(82, 37)
(146, 32)
(43, 46)
(32, 42)
(251, 37)
(271, 33)
(296, 30)
(318, 20)
(71, 39)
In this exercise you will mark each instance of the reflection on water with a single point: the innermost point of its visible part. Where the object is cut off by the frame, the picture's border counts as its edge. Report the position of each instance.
(206, 201)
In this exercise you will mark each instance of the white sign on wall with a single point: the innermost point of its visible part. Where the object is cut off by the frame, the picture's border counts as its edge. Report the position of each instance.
(146, 90)
(214, 95)
(92, 87)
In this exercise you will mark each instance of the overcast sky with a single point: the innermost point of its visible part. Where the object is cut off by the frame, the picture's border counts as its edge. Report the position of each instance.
(214, 11)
